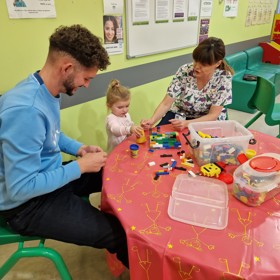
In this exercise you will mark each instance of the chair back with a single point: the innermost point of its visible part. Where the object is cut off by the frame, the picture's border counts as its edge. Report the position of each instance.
(263, 99)
(255, 56)
(237, 61)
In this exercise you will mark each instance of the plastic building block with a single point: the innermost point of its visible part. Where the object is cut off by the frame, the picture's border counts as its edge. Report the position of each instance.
(162, 173)
(180, 168)
(167, 140)
(191, 173)
(226, 177)
(203, 135)
(166, 155)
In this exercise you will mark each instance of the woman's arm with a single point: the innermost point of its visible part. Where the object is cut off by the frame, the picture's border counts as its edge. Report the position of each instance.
(212, 115)
(160, 111)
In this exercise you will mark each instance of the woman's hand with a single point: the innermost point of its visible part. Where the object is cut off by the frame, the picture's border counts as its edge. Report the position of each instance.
(146, 124)
(179, 124)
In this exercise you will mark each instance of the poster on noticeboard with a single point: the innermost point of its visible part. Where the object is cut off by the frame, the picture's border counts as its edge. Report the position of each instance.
(113, 34)
(230, 8)
(113, 26)
(204, 29)
(18, 9)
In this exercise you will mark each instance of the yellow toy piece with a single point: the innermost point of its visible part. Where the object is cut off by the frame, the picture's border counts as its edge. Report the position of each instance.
(142, 138)
(210, 170)
(203, 135)
(187, 162)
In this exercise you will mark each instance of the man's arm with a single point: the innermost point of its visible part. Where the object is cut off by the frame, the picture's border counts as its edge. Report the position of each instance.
(31, 155)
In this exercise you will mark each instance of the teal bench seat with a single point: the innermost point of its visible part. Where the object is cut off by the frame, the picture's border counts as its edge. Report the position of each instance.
(243, 90)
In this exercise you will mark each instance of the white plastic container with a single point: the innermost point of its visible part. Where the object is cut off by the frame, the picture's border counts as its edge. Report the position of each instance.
(258, 179)
(228, 140)
(199, 201)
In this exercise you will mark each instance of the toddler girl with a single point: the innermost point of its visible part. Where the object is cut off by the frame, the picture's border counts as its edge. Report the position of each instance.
(118, 122)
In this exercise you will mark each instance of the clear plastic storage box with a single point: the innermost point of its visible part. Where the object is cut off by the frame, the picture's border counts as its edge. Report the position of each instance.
(258, 179)
(199, 201)
(216, 141)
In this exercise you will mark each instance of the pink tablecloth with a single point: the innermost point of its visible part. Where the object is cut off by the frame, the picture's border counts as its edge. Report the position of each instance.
(165, 249)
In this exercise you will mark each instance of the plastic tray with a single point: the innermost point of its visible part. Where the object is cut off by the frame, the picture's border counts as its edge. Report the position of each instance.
(199, 201)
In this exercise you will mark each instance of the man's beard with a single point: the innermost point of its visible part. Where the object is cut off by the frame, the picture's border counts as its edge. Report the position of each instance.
(69, 86)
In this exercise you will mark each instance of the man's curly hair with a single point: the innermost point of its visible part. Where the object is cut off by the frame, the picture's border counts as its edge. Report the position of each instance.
(81, 44)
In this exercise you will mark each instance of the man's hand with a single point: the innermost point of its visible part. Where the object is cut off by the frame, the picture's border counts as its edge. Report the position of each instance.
(92, 161)
(88, 149)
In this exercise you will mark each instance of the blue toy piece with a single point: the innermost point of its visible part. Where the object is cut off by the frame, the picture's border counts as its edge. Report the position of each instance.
(162, 173)
(166, 140)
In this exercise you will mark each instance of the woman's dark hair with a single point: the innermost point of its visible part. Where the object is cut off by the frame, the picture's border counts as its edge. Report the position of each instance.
(210, 51)
(115, 23)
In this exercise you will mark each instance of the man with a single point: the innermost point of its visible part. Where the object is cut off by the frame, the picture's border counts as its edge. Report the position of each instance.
(38, 194)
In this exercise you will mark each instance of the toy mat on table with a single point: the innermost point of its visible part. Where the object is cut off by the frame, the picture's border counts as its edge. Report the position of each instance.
(166, 140)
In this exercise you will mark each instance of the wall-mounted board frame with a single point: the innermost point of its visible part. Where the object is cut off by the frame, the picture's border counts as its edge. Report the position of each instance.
(152, 36)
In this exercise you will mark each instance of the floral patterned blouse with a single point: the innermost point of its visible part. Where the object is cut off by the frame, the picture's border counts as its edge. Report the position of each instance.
(194, 103)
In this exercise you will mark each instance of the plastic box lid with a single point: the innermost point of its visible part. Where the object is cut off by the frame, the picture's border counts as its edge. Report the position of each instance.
(199, 201)
(256, 181)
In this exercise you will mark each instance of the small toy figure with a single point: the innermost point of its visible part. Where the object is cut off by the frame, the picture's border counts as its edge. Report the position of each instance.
(216, 169)
(210, 170)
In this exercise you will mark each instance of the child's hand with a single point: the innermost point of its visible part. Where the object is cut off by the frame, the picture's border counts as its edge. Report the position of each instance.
(137, 130)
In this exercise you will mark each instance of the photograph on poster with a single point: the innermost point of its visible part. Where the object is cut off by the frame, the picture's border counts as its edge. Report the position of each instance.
(110, 26)
(19, 3)
(113, 33)
(204, 29)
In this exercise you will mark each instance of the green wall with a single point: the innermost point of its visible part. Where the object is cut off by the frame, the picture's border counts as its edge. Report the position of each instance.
(24, 44)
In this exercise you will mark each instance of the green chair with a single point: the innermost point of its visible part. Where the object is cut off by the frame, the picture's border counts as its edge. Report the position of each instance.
(263, 100)
(227, 117)
(8, 236)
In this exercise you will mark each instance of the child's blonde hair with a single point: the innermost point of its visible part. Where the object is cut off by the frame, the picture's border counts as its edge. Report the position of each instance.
(116, 92)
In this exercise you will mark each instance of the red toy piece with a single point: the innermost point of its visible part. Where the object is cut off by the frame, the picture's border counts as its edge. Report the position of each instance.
(226, 178)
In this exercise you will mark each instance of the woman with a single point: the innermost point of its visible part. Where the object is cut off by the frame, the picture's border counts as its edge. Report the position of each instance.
(110, 29)
(199, 90)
